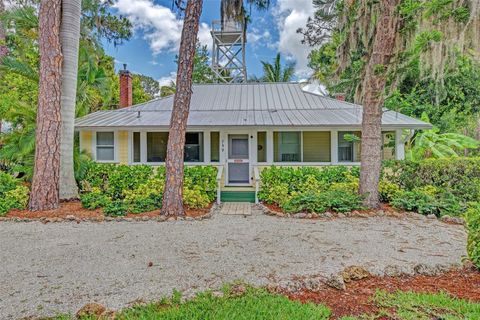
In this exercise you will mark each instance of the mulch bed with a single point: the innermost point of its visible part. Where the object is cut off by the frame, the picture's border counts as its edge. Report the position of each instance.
(75, 209)
(357, 298)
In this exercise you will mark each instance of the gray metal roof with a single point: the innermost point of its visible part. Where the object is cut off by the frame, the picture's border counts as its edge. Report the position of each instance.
(253, 104)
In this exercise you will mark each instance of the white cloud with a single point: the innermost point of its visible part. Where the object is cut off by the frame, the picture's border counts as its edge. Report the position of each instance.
(160, 26)
(291, 15)
(167, 80)
(256, 37)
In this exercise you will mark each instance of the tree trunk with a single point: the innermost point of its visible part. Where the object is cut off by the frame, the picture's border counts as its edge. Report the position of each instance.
(384, 44)
(69, 38)
(173, 193)
(45, 184)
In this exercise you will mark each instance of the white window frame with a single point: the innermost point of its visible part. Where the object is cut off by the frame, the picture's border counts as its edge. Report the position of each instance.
(115, 146)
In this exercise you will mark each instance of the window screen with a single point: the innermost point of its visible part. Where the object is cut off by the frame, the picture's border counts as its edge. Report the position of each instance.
(105, 146)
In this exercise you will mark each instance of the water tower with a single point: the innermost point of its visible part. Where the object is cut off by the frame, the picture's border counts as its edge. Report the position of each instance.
(228, 56)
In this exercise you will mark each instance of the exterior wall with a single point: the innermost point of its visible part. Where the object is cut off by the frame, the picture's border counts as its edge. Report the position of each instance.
(122, 144)
(215, 146)
(86, 141)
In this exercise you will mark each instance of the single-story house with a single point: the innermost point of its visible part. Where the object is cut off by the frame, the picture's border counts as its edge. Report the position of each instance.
(241, 128)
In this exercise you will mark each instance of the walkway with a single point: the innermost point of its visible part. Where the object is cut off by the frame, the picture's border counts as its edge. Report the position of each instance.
(52, 268)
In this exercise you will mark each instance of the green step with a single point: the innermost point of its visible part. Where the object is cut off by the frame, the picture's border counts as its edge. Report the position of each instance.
(238, 196)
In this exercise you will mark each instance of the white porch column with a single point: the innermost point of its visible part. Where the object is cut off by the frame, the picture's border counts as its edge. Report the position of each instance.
(253, 137)
(399, 145)
(269, 146)
(334, 146)
(143, 147)
(206, 147)
(223, 146)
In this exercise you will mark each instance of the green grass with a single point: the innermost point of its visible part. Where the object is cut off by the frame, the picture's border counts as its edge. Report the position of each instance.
(422, 306)
(258, 304)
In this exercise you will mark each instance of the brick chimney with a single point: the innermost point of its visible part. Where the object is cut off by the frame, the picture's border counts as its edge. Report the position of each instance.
(125, 88)
(340, 96)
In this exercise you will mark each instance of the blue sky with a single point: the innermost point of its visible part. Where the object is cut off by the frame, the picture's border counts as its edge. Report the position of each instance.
(154, 45)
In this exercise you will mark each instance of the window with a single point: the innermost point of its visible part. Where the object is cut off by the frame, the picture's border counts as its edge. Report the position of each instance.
(136, 147)
(105, 146)
(348, 146)
(215, 146)
(287, 146)
(157, 146)
(316, 146)
(261, 147)
(193, 147)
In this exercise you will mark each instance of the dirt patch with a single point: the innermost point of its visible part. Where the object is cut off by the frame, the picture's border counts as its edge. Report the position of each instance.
(75, 209)
(357, 298)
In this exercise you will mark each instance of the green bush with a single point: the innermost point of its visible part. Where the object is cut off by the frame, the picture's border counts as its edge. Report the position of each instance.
(120, 189)
(388, 190)
(472, 217)
(335, 200)
(13, 195)
(94, 199)
(428, 200)
(458, 176)
(115, 208)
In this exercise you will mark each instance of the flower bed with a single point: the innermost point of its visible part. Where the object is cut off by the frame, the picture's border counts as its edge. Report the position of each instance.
(440, 188)
(122, 189)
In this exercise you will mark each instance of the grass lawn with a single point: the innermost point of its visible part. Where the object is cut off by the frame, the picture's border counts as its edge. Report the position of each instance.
(257, 304)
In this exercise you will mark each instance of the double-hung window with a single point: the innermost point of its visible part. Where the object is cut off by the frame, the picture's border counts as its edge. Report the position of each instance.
(105, 146)
(287, 146)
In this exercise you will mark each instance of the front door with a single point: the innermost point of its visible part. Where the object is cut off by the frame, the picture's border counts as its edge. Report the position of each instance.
(238, 159)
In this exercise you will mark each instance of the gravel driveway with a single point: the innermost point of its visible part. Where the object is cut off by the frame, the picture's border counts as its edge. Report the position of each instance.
(57, 268)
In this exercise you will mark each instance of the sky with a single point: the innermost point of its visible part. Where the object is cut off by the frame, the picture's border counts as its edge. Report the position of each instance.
(157, 31)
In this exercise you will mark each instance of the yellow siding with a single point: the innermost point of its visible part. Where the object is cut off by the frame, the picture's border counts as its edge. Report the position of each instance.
(316, 146)
(86, 141)
(122, 147)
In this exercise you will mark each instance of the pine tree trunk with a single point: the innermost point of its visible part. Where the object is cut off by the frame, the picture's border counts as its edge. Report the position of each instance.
(173, 193)
(384, 44)
(69, 38)
(45, 184)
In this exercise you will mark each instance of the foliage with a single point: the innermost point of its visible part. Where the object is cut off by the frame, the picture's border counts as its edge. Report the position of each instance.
(458, 176)
(252, 304)
(121, 189)
(13, 195)
(424, 306)
(275, 73)
(472, 217)
(311, 189)
(388, 190)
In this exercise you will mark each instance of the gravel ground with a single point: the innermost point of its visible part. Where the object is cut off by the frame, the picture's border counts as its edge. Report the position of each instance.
(57, 268)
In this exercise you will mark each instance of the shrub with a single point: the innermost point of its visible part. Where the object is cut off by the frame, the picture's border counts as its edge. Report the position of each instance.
(115, 208)
(428, 200)
(459, 176)
(94, 199)
(335, 200)
(195, 198)
(13, 195)
(388, 190)
(121, 188)
(472, 217)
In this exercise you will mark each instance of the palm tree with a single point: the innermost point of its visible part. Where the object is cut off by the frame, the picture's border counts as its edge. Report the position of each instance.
(172, 204)
(45, 184)
(69, 37)
(275, 73)
(374, 84)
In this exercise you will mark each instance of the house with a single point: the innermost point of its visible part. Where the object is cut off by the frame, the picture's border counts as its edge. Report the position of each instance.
(240, 128)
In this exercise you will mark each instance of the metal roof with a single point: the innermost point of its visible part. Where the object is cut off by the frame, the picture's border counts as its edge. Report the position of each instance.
(252, 104)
